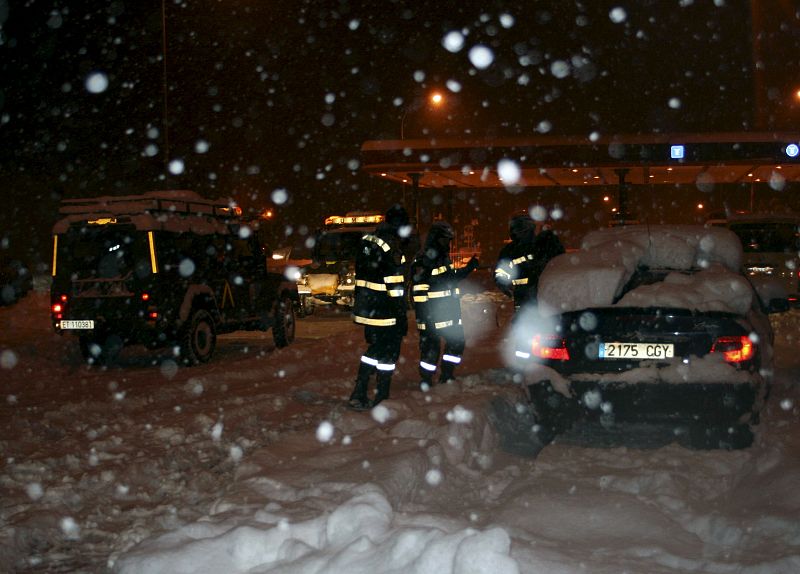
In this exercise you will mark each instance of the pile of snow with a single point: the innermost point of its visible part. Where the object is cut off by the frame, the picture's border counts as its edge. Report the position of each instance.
(285, 514)
(595, 275)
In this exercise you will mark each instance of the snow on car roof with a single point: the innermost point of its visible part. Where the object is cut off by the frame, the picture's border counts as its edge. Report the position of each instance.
(595, 275)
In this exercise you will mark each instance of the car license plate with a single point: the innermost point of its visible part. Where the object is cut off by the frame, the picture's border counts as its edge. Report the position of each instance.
(636, 350)
(81, 324)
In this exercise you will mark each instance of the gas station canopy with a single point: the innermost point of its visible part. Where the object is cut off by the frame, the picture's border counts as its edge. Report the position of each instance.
(572, 161)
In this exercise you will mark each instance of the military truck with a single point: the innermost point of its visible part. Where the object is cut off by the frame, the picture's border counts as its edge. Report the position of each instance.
(162, 269)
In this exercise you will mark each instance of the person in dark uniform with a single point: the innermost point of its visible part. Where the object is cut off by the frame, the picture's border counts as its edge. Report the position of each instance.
(521, 262)
(380, 305)
(437, 305)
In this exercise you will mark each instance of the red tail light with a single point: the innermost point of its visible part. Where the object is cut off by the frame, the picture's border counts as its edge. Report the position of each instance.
(58, 307)
(734, 349)
(145, 296)
(550, 347)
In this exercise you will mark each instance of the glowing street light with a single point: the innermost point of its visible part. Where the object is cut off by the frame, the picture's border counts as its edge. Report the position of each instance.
(436, 100)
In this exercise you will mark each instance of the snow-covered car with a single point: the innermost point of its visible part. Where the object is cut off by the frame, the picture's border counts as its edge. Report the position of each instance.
(649, 324)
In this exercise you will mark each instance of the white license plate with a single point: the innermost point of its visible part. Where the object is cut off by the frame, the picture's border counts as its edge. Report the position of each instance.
(82, 324)
(636, 350)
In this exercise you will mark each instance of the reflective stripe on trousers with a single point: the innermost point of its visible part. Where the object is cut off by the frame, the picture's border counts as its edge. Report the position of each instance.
(427, 366)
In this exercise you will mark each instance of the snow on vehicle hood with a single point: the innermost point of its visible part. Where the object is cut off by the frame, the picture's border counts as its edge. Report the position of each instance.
(594, 275)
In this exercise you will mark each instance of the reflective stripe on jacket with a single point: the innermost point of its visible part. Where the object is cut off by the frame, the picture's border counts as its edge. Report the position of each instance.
(379, 298)
(435, 292)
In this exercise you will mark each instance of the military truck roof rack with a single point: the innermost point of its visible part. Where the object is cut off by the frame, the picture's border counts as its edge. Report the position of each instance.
(172, 210)
(174, 201)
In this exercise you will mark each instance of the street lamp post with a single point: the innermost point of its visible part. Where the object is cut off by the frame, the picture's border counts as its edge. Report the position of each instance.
(435, 100)
(165, 86)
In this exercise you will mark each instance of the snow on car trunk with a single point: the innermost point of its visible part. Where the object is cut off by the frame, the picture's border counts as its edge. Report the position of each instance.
(596, 274)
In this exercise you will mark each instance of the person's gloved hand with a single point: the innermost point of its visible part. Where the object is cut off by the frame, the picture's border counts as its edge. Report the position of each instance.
(473, 263)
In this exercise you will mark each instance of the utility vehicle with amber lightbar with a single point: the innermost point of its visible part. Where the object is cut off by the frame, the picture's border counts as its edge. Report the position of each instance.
(652, 325)
(162, 269)
(330, 279)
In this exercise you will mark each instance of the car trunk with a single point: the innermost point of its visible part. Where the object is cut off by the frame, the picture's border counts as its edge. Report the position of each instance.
(660, 335)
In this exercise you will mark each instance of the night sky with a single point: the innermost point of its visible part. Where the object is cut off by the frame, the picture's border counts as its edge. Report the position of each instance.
(266, 95)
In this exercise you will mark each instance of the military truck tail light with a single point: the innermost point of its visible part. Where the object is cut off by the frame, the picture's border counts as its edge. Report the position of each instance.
(57, 308)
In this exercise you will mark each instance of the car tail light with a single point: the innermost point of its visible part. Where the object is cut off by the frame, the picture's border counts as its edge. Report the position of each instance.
(550, 347)
(145, 296)
(734, 349)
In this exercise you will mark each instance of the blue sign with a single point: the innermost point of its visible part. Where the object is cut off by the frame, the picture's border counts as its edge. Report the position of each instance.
(676, 152)
(792, 150)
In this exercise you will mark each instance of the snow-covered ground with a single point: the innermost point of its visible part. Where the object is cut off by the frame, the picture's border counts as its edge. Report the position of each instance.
(251, 464)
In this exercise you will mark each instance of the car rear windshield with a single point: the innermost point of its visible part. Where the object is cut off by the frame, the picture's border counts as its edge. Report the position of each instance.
(646, 276)
(767, 237)
(102, 253)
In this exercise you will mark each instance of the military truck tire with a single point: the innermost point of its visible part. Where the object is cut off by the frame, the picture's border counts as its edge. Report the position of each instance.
(199, 338)
(283, 327)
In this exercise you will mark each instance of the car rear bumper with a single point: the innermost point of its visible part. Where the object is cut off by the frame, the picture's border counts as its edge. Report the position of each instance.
(652, 402)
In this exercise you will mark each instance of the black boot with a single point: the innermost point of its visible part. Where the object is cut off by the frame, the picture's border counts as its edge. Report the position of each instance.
(358, 398)
(448, 372)
(425, 380)
(384, 380)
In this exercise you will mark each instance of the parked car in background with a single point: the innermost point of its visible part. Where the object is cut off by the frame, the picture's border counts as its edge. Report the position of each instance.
(648, 324)
(771, 247)
(16, 279)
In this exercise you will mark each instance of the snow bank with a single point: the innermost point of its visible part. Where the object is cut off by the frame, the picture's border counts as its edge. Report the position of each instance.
(282, 515)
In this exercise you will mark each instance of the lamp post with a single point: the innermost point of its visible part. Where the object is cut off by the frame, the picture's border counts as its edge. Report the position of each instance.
(164, 85)
(435, 100)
